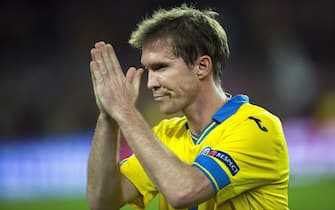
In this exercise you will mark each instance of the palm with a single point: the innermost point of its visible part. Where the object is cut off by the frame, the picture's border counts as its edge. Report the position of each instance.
(113, 90)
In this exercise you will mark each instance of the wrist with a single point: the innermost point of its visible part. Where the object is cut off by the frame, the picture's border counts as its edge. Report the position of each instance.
(126, 113)
(104, 117)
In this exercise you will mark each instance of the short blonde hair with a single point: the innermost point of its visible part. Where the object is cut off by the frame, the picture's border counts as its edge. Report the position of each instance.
(192, 33)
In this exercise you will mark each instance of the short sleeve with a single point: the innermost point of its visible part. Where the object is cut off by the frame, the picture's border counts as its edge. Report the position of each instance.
(242, 159)
(132, 169)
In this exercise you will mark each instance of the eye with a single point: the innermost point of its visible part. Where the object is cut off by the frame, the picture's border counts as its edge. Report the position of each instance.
(158, 67)
(161, 69)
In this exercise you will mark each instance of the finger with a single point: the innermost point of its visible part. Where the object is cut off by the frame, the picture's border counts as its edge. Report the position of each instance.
(101, 47)
(131, 74)
(92, 67)
(134, 76)
(92, 54)
(97, 98)
(99, 44)
(94, 84)
(114, 60)
(96, 45)
(95, 71)
(97, 57)
(107, 59)
(92, 75)
(137, 77)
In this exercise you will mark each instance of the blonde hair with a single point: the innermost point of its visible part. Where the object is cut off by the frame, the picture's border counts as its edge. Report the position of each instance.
(192, 33)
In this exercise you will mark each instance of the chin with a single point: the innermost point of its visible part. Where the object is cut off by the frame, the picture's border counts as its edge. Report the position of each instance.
(169, 110)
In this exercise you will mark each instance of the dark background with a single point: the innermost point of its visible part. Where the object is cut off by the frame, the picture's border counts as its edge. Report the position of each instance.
(282, 56)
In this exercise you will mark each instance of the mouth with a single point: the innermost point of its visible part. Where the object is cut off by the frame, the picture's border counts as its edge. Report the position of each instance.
(160, 94)
(158, 98)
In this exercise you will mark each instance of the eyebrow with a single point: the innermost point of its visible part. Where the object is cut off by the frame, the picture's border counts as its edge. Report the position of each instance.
(156, 65)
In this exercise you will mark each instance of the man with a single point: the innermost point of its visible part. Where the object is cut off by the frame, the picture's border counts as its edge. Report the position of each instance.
(225, 153)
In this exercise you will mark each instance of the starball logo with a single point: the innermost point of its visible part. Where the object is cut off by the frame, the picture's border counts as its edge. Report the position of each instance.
(223, 157)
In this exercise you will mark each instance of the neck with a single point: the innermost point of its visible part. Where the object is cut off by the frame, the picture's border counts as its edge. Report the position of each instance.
(200, 113)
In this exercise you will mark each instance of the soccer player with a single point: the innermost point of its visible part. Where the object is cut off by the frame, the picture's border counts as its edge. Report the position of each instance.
(225, 153)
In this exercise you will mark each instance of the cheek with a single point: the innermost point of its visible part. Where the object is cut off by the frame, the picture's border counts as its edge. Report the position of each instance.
(180, 83)
(189, 84)
(188, 88)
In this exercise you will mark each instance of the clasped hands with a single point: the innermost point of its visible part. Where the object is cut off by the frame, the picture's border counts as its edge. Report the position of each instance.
(114, 91)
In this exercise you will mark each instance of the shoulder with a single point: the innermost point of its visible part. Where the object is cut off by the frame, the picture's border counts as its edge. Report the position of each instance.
(249, 111)
(259, 115)
(171, 126)
(252, 123)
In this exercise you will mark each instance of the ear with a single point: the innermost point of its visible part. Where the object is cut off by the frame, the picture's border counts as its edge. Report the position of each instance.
(204, 67)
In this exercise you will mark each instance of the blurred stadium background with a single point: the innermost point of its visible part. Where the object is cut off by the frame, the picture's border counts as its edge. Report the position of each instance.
(282, 56)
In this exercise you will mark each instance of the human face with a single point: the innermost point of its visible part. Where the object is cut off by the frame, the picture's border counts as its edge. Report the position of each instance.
(174, 85)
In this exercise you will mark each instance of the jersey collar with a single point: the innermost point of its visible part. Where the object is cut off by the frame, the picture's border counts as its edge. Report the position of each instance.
(227, 110)
(230, 107)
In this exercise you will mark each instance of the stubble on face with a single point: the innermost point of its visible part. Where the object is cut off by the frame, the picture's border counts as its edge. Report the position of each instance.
(176, 86)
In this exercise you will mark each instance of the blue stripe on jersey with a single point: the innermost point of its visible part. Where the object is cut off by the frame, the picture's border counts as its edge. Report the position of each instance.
(209, 127)
(226, 111)
(216, 175)
(194, 208)
(194, 138)
(209, 176)
(206, 131)
(229, 108)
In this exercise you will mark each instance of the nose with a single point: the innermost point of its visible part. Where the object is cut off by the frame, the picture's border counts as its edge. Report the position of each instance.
(153, 80)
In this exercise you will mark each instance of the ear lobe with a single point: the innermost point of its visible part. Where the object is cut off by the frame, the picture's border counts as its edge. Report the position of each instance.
(204, 67)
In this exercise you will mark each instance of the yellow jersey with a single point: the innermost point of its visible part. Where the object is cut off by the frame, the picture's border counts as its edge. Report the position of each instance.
(242, 151)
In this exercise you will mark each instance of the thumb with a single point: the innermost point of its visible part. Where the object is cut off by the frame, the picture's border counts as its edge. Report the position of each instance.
(134, 76)
(131, 74)
(137, 78)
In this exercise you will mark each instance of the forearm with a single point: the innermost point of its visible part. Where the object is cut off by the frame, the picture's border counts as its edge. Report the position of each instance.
(103, 182)
(174, 178)
(116, 94)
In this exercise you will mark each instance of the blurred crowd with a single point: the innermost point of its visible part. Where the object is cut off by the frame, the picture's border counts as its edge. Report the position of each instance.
(282, 56)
